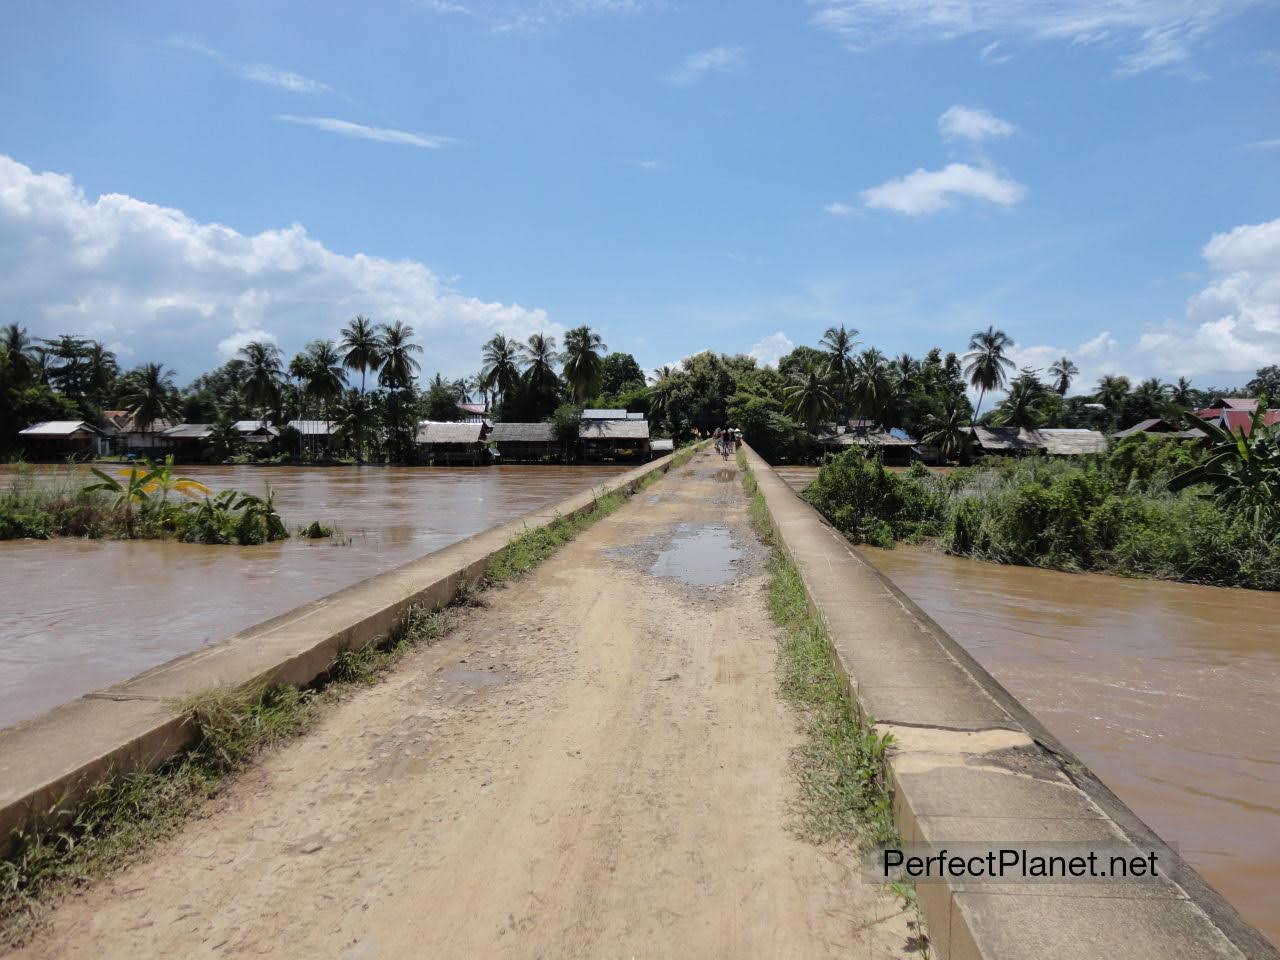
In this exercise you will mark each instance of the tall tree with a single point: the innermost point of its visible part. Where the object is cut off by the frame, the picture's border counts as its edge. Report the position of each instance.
(583, 368)
(326, 378)
(263, 375)
(501, 370)
(871, 386)
(986, 365)
(948, 429)
(399, 370)
(809, 399)
(838, 343)
(1112, 391)
(151, 397)
(539, 357)
(1063, 372)
(21, 350)
(1181, 392)
(361, 347)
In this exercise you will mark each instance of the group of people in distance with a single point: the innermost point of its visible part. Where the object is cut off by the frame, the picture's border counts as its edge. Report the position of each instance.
(727, 441)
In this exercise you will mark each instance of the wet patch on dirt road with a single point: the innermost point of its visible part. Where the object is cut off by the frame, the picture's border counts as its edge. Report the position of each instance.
(701, 556)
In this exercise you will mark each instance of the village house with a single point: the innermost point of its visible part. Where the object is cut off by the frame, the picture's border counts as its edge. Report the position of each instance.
(527, 443)
(614, 439)
(316, 434)
(896, 447)
(127, 436)
(61, 439)
(453, 443)
(660, 448)
(256, 432)
(188, 442)
(1056, 442)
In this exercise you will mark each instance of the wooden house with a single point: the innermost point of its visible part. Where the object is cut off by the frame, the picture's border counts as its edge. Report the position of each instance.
(453, 443)
(61, 439)
(527, 443)
(614, 440)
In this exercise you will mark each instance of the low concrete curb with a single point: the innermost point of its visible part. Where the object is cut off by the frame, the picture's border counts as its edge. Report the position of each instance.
(51, 760)
(970, 763)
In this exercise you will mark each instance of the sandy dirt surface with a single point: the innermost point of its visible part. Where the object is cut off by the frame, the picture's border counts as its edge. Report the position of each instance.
(595, 764)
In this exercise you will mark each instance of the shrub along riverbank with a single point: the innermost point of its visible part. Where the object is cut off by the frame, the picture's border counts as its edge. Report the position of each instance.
(145, 501)
(1119, 513)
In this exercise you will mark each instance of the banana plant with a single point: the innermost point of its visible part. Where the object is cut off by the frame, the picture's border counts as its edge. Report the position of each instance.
(1243, 470)
(139, 487)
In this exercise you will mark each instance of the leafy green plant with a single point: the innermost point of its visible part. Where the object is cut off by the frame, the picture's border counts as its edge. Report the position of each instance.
(1242, 471)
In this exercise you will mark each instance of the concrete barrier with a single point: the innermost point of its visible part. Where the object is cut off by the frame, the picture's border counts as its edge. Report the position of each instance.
(971, 764)
(51, 760)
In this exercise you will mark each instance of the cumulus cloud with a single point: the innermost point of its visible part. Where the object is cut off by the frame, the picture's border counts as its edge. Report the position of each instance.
(1233, 325)
(840, 209)
(358, 131)
(175, 290)
(263, 73)
(928, 191)
(972, 123)
(716, 60)
(771, 349)
(1154, 33)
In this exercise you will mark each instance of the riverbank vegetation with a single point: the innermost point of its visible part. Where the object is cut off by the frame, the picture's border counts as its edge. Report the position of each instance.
(69, 846)
(145, 501)
(1151, 506)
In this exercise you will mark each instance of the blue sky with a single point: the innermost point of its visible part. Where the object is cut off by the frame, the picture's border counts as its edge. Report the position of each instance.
(1100, 179)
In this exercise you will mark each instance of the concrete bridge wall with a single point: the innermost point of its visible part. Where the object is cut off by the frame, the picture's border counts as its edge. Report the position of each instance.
(972, 764)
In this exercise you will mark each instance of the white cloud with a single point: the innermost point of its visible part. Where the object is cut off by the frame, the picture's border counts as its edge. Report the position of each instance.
(991, 54)
(175, 290)
(840, 209)
(263, 73)
(771, 349)
(1096, 357)
(928, 191)
(1264, 144)
(650, 165)
(531, 19)
(972, 123)
(358, 131)
(715, 60)
(443, 6)
(1158, 33)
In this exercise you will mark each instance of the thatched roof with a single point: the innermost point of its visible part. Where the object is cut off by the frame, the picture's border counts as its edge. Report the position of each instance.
(1071, 443)
(522, 433)
(614, 430)
(1005, 439)
(432, 431)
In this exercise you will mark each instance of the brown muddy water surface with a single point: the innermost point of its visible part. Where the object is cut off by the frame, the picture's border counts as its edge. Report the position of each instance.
(77, 615)
(1170, 692)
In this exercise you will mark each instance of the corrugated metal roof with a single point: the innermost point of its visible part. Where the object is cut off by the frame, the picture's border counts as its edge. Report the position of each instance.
(190, 431)
(1004, 438)
(1152, 425)
(254, 426)
(635, 416)
(58, 428)
(314, 428)
(433, 431)
(662, 446)
(614, 430)
(522, 433)
(476, 408)
(604, 414)
(871, 438)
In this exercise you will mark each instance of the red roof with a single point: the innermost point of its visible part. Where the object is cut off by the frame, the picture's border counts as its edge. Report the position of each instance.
(1242, 420)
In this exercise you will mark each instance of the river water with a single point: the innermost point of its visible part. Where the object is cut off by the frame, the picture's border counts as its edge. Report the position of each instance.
(77, 615)
(1170, 692)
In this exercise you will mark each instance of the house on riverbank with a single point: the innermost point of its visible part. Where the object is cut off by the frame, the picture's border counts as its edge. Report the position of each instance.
(61, 439)
(527, 443)
(614, 440)
(896, 447)
(444, 443)
(1018, 441)
(188, 442)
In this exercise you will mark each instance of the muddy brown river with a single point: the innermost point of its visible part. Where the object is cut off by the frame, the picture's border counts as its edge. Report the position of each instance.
(1169, 691)
(77, 615)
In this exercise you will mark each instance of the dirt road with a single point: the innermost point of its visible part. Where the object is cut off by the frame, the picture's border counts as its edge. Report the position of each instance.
(593, 765)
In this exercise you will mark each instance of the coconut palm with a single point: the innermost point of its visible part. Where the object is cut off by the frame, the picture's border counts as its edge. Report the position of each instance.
(986, 365)
(1181, 392)
(907, 370)
(662, 372)
(1062, 371)
(21, 350)
(838, 344)
(263, 374)
(809, 399)
(501, 370)
(1020, 407)
(150, 397)
(399, 368)
(356, 420)
(326, 378)
(661, 392)
(948, 430)
(1112, 391)
(583, 368)
(539, 357)
(871, 385)
(361, 347)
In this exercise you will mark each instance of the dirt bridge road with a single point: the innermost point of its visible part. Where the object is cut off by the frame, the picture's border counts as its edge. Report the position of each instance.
(593, 765)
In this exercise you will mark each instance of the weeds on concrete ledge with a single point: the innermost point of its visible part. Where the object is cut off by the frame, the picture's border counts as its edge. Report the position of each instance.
(533, 546)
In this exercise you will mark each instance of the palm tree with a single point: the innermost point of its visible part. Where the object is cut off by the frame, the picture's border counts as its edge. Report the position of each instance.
(871, 385)
(539, 357)
(361, 346)
(1019, 408)
(660, 393)
(986, 365)
(101, 370)
(1112, 390)
(21, 350)
(501, 370)
(948, 430)
(476, 384)
(839, 344)
(809, 399)
(356, 420)
(151, 397)
(583, 368)
(905, 368)
(1062, 371)
(263, 374)
(399, 369)
(325, 376)
(1181, 393)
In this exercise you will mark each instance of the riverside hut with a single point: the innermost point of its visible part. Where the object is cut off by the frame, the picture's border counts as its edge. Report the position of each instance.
(614, 439)
(1016, 441)
(444, 443)
(188, 442)
(526, 442)
(60, 439)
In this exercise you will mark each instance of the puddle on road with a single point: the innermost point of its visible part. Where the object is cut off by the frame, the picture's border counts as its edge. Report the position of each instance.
(702, 556)
(728, 475)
